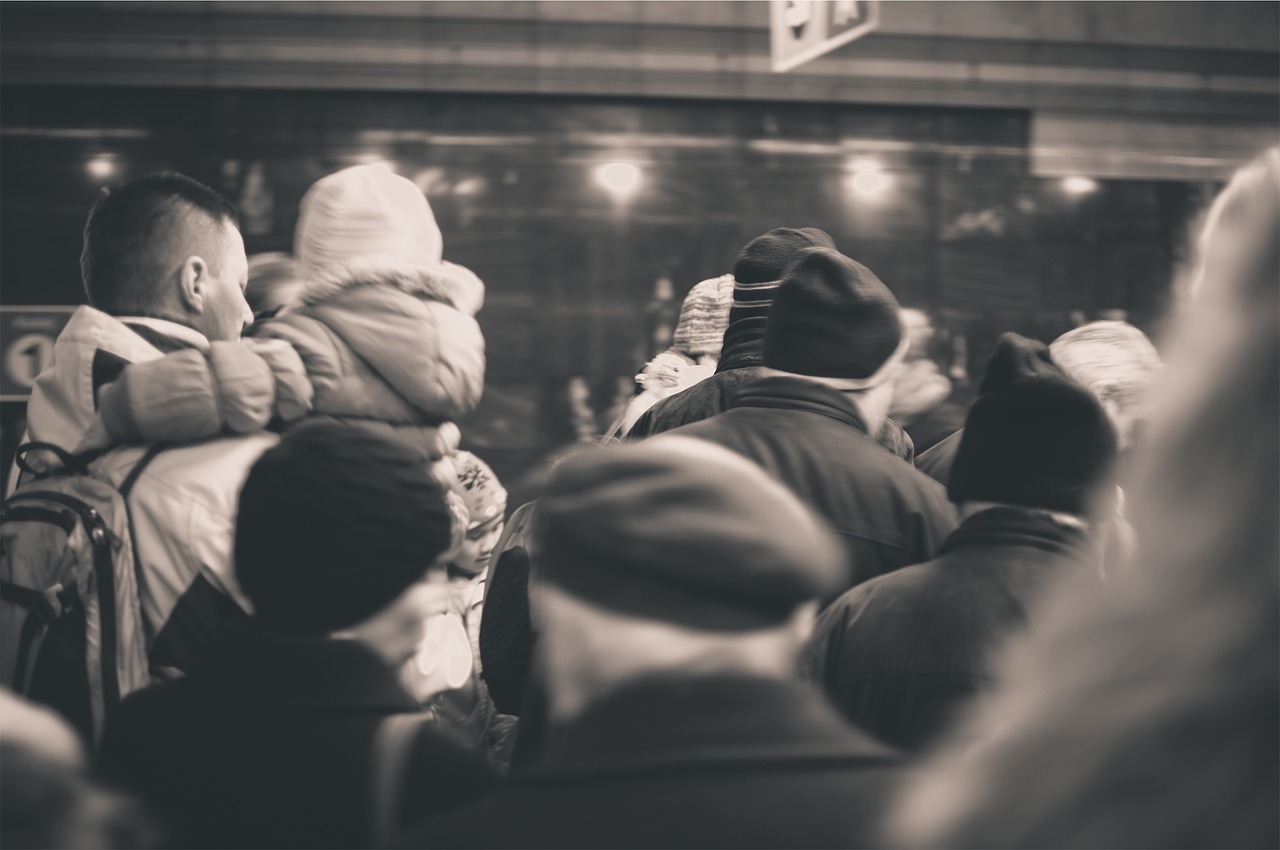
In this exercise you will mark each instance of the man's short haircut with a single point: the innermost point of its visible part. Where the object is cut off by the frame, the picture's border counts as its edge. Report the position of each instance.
(117, 262)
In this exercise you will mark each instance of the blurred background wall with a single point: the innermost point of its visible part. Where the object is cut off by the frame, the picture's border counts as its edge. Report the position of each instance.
(1005, 166)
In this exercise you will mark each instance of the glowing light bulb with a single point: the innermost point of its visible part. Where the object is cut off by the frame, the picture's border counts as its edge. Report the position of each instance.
(101, 167)
(1079, 185)
(619, 178)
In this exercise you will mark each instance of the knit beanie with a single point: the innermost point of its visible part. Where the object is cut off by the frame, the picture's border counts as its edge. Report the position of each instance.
(704, 317)
(1034, 438)
(365, 219)
(758, 270)
(683, 531)
(482, 493)
(833, 318)
(334, 523)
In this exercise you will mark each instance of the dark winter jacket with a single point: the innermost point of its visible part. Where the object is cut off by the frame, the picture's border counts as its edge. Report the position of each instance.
(712, 762)
(741, 364)
(900, 655)
(936, 462)
(811, 438)
(269, 743)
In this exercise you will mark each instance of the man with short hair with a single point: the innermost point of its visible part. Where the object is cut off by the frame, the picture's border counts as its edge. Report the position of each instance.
(902, 654)
(833, 346)
(164, 269)
(676, 584)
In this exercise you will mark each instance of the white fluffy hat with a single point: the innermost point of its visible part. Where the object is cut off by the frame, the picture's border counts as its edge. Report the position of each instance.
(365, 219)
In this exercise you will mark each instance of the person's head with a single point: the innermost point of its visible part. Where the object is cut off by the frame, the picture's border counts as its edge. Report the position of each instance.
(757, 271)
(167, 247)
(1117, 363)
(486, 501)
(336, 530)
(1034, 438)
(703, 318)
(368, 224)
(673, 557)
(834, 322)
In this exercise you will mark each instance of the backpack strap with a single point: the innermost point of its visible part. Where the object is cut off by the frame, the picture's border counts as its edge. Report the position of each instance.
(132, 478)
(392, 747)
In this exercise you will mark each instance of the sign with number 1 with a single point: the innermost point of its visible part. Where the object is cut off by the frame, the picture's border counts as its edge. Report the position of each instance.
(27, 334)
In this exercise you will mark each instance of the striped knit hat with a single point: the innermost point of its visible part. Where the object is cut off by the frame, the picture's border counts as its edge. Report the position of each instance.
(758, 270)
(704, 317)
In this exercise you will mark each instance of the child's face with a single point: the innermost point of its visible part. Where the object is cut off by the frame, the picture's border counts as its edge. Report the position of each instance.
(477, 548)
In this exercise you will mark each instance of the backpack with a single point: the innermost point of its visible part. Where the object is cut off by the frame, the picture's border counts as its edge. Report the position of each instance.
(72, 634)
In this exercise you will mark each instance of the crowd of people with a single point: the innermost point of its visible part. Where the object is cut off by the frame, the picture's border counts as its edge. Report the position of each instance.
(256, 595)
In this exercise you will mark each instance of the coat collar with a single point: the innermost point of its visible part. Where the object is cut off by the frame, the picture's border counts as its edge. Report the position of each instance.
(786, 393)
(676, 722)
(743, 345)
(1011, 526)
(165, 335)
(255, 664)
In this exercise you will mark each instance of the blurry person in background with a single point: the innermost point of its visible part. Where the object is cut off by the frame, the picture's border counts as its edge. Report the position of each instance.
(1113, 360)
(276, 739)
(446, 673)
(1118, 364)
(1143, 714)
(902, 654)
(694, 352)
(677, 584)
(921, 394)
(833, 348)
(757, 271)
(275, 279)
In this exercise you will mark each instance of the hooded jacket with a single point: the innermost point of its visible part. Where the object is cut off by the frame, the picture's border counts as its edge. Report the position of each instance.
(395, 346)
(183, 506)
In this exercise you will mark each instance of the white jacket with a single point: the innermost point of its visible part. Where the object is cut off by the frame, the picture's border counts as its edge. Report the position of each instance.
(184, 504)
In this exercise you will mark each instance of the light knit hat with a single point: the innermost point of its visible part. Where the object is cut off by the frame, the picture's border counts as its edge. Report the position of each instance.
(704, 317)
(365, 220)
(482, 492)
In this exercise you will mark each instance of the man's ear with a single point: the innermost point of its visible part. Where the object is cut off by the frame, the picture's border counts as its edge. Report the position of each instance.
(193, 283)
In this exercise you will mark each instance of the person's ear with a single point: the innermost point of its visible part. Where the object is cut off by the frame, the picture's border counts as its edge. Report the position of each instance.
(193, 283)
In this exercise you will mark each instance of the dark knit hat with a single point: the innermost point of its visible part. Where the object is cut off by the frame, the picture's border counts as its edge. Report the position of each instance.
(334, 523)
(758, 269)
(832, 318)
(683, 531)
(1034, 437)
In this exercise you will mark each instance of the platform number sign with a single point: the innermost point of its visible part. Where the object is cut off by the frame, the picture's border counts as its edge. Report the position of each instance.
(803, 30)
(27, 335)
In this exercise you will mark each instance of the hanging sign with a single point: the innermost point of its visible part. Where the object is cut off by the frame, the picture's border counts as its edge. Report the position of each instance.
(803, 30)
(27, 335)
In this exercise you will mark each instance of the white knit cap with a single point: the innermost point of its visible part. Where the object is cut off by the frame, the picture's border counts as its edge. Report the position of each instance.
(362, 219)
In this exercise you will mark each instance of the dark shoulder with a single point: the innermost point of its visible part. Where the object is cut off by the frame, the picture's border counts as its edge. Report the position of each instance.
(443, 777)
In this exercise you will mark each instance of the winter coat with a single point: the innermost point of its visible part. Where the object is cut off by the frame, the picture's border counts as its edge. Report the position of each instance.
(936, 462)
(811, 438)
(386, 347)
(270, 743)
(902, 654)
(711, 762)
(183, 506)
(715, 394)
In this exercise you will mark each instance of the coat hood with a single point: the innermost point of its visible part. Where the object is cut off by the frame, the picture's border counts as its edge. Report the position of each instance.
(429, 352)
(63, 406)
